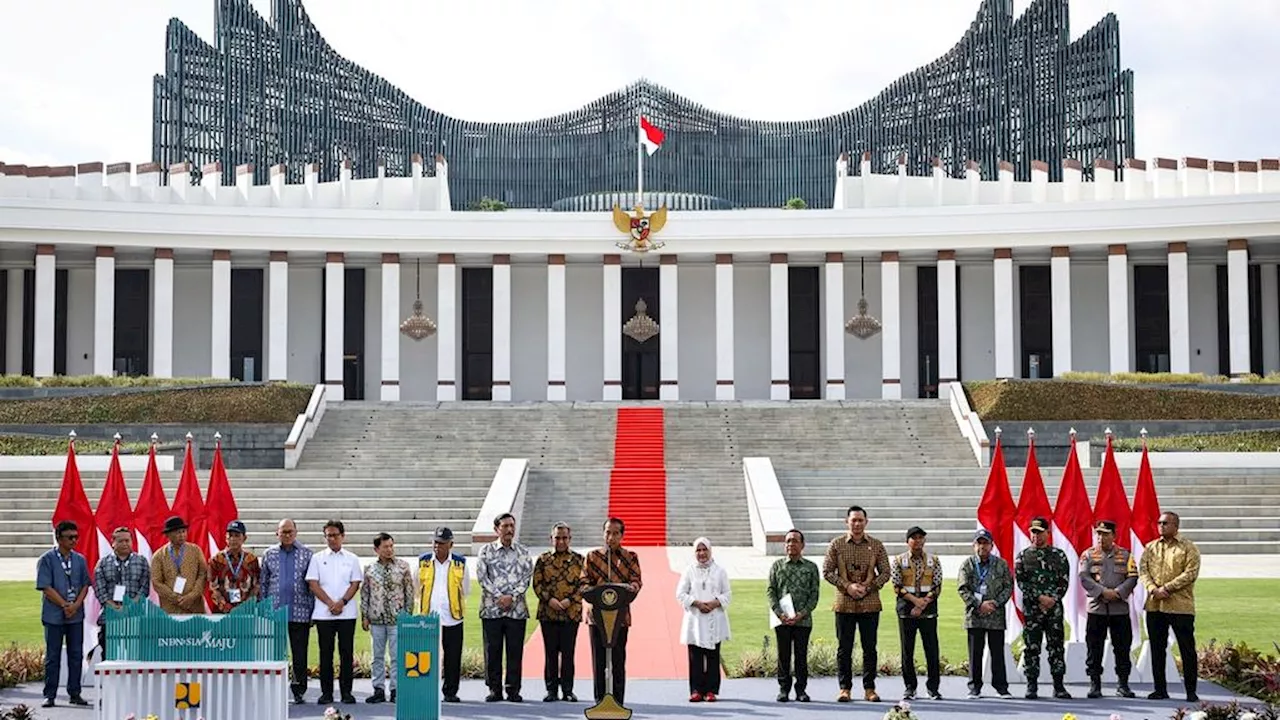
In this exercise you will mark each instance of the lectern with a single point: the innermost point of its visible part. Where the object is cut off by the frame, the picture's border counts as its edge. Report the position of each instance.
(608, 600)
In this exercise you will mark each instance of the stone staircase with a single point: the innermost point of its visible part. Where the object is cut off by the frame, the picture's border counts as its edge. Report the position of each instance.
(579, 498)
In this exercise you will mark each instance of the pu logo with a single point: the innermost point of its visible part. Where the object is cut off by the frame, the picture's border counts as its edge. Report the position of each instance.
(417, 664)
(186, 695)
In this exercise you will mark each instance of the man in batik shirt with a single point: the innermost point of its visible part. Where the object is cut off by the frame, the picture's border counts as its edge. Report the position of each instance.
(387, 591)
(556, 582)
(233, 573)
(611, 564)
(283, 580)
(504, 570)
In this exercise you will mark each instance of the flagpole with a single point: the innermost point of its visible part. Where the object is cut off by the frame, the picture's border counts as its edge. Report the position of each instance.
(639, 164)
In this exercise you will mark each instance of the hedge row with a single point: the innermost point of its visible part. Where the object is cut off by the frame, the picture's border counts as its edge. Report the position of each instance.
(38, 445)
(116, 381)
(273, 404)
(1060, 400)
(1240, 441)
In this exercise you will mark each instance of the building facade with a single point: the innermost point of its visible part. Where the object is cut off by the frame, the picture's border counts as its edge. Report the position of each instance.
(272, 91)
(108, 270)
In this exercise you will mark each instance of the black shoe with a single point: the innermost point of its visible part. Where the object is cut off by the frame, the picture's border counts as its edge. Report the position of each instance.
(393, 694)
(1122, 689)
(570, 697)
(299, 699)
(493, 696)
(1095, 689)
(324, 700)
(48, 702)
(348, 699)
(784, 697)
(514, 697)
(377, 697)
(1158, 695)
(550, 697)
(451, 699)
(77, 700)
(1191, 697)
(1033, 690)
(1060, 693)
(908, 694)
(935, 695)
(802, 696)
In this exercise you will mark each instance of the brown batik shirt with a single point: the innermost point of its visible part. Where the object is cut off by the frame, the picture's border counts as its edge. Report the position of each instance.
(865, 562)
(625, 569)
(559, 575)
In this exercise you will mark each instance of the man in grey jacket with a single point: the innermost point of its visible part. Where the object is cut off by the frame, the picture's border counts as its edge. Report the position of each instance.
(985, 586)
(1109, 575)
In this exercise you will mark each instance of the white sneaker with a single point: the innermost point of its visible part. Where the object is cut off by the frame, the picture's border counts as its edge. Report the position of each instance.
(972, 696)
(1006, 695)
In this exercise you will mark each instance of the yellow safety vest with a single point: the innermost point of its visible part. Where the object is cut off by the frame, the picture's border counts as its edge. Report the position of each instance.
(427, 579)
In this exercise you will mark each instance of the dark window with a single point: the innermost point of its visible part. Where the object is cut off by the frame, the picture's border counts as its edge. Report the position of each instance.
(60, 292)
(477, 334)
(927, 330)
(246, 324)
(1151, 317)
(804, 334)
(1035, 287)
(131, 342)
(352, 331)
(641, 361)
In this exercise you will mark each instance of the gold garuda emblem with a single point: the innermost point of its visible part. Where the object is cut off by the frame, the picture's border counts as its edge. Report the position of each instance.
(640, 228)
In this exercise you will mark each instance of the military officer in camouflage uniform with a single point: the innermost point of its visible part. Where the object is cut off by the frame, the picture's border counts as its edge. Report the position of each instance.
(1043, 573)
(1109, 575)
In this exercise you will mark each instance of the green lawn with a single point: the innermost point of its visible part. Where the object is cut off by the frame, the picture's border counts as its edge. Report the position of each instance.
(1226, 610)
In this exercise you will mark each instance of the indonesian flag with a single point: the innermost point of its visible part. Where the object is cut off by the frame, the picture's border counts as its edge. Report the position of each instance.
(651, 136)
(1033, 502)
(1073, 533)
(219, 505)
(1145, 529)
(151, 511)
(1111, 502)
(114, 509)
(995, 515)
(189, 505)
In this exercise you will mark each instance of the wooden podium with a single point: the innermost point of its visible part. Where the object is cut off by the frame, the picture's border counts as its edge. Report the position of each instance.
(608, 601)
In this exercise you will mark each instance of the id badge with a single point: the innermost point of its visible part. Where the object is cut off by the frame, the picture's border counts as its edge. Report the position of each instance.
(233, 596)
(982, 591)
(117, 595)
(179, 584)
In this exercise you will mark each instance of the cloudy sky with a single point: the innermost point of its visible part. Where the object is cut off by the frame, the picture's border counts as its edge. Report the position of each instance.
(75, 75)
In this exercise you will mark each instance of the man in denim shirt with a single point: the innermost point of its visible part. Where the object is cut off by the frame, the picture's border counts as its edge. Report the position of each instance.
(283, 579)
(62, 576)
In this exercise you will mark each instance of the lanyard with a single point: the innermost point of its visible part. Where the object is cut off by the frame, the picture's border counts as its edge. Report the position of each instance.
(121, 565)
(982, 571)
(235, 569)
(66, 568)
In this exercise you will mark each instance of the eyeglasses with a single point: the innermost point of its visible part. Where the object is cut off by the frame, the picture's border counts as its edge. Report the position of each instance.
(71, 537)
(333, 535)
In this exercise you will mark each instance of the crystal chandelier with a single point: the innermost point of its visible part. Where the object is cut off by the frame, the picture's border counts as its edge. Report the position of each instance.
(640, 327)
(863, 325)
(418, 326)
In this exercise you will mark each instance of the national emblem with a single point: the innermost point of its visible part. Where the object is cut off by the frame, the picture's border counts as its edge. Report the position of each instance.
(640, 228)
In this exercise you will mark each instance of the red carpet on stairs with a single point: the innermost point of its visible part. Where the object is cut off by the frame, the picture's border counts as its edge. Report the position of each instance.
(638, 483)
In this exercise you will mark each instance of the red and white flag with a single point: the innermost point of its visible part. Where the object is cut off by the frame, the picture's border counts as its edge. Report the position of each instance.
(114, 508)
(995, 514)
(1033, 502)
(1145, 529)
(188, 503)
(151, 510)
(1112, 503)
(219, 505)
(1073, 533)
(651, 136)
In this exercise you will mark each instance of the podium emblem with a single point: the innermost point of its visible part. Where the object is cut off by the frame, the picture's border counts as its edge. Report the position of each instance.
(609, 597)
(417, 664)
(186, 695)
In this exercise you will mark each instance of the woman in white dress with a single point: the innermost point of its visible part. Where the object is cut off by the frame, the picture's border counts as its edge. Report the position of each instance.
(703, 594)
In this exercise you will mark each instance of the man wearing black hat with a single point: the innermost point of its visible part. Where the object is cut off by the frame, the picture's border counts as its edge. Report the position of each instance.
(179, 571)
(1043, 573)
(444, 583)
(917, 581)
(233, 572)
(985, 587)
(1109, 575)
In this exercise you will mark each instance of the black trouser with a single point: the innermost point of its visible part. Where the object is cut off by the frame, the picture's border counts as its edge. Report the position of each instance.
(793, 639)
(704, 670)
(451, 642)
(299, 646)
(1095, 635)
(559, 641)
(499, 634)
(1184, 630)
(928, 627)
(345, 632)
(981, 639)
(847, 624)
(619, 655)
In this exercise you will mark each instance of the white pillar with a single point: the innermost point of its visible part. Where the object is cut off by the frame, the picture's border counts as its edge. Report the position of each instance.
(335, 294)
(104, 311)
(1270, 302)
(724, 328)
(779, 329)
(669, 350)
(46, 279)
(833, 335)
(220, 316)
(14, 318)
(612, 305)
(1060, 296)
(948, 347)
(891, 324)
(1003, 284)
(446, 328)
(1238, 306)
(278, 317)
(557, 328)
(501, 388)
(1179, 310)
(162, 314)
(1118, 307)
(390, 386)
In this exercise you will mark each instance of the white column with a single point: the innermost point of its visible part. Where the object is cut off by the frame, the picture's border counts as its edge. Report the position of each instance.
(14, 318)
(278, 317)
(1118, 307)
(390, 386)
(446, 328)
(1179, 310)
(46, 278)
(669, 350)
(612, 305)
(1060, 295)
(220, 314)
(724, 327)
(335, 294)
(948, 347)
(501, 389)
(1270, 301)
(162, 314)
(833, 335)
(1238, 306)
(779, 327)
(104, 311)
(891, 322)
(557, 328)
(1003, 345)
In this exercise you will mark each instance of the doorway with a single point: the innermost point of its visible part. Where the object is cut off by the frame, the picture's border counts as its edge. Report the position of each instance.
(641, 361)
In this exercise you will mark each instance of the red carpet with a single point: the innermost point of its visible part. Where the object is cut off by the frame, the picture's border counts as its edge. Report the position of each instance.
(638, 483)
